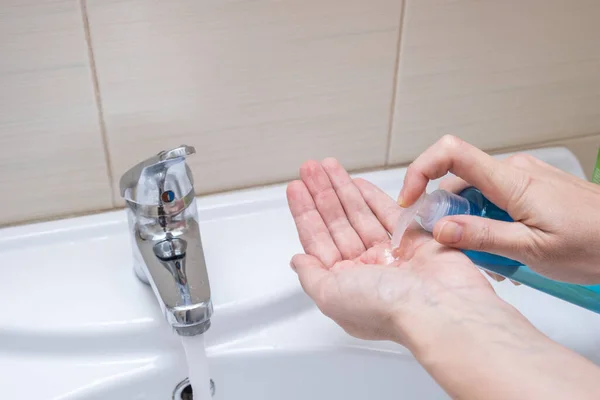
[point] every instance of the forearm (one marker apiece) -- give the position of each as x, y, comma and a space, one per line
490, 351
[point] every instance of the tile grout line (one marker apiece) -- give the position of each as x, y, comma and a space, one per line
395, 82
98, 98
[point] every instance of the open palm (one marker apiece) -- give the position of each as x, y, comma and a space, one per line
347, 268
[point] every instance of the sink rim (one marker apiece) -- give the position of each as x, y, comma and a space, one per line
297, 325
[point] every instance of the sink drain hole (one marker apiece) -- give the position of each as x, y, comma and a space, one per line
184, 391
187, 393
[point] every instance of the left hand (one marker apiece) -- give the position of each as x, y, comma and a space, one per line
343, 225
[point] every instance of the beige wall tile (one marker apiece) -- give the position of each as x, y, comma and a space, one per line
256, 86
51, 154
585, 149
496, 73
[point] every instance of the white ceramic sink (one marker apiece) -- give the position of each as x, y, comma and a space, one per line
75, 323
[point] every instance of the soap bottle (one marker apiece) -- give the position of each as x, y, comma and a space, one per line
432, 207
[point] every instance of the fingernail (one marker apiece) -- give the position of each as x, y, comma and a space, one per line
401, 200
451, 232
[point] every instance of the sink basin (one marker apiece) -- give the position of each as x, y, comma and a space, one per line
77, 324
352, 373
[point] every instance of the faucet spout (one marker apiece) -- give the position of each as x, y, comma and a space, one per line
166, 241
171, 253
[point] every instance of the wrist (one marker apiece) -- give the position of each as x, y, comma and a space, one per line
490, 343
429, 332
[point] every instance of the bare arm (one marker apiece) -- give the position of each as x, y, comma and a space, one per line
434, 301
491, 352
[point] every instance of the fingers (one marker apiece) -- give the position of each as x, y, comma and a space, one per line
528, 162
328, 204
454, 184
498, 181
357, 211
313, 275
388, 211
500, 278
383, 206
494, 276
312, 231
508, 239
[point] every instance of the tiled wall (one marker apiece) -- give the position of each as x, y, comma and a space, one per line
89, 88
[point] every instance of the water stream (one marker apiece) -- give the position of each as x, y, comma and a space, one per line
195, 353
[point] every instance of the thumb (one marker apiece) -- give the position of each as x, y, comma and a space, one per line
508, 239
311, 273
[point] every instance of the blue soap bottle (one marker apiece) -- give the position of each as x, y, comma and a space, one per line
434, 206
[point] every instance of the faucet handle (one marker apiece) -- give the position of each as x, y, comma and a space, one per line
132, 176
181, 151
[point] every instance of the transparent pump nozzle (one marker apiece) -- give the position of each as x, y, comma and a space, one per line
429, 209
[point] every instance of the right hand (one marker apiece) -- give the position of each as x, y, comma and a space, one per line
557, 215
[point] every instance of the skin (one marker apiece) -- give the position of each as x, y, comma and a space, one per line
557, 219
432, 299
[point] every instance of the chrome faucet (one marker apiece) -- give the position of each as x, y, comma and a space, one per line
167, 248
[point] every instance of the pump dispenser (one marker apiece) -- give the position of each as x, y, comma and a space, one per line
432, 207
